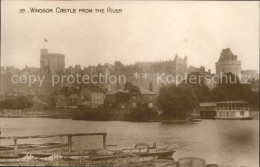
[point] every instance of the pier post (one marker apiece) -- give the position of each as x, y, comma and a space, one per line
70, 143
15, 146
104, 140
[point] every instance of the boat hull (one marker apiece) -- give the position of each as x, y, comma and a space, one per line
161, 155
13, 158
245, 118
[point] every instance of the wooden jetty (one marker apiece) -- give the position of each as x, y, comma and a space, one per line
69, 136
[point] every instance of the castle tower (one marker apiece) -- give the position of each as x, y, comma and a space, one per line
51, 63
228, 63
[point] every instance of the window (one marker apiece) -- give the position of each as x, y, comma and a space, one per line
134, 97
134, 105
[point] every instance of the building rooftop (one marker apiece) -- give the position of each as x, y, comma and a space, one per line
94, 89
147, 92
226, 55
113, 92
73, 96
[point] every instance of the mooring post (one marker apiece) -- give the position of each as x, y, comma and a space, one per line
15, 147
104, 140
70, 143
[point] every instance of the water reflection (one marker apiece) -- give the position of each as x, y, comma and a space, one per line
218, 141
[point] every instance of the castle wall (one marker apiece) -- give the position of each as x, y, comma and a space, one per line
176, 66
228, 66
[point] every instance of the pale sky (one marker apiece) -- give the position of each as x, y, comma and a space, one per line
145, 31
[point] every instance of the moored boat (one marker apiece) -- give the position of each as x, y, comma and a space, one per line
14, 158
46, 156
119, 161
74, 156
233, 110
144, 150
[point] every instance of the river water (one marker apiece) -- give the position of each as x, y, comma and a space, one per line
225, 142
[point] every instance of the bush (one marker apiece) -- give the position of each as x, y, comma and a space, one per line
177, 102
18, 103
141, 113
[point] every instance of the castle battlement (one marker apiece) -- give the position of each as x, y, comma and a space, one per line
176, 65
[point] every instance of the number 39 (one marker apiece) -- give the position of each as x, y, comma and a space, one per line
21, 10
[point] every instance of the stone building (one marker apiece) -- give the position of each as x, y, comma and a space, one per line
124, 99
90, 70
91, 97
70, 70
199, 70
146, 97
178, 66
228, 63
52, 63
78, 69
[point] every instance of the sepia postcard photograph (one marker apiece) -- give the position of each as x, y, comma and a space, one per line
129, 83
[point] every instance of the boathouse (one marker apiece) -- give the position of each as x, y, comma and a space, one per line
233, 110
207, 110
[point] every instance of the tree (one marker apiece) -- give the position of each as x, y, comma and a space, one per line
132, 88
118, 86
254, 101
18, 103
121, 98
201, 89
141, 113
229, 88
151, 87
177, 102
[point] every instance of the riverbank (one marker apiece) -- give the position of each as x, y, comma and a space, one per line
95, 115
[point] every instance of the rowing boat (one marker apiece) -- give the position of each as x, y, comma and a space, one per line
14, 158
144, 150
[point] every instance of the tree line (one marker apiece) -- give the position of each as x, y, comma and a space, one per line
177, 102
